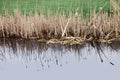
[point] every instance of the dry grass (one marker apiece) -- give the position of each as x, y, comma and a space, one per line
59, 28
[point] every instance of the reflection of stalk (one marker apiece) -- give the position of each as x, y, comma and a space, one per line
108, 59
2, 55
97, 46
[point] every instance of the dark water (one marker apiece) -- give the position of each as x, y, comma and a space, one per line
32, 60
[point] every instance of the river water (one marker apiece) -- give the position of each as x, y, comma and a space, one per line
33, 60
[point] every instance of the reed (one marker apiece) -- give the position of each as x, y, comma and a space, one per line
61, 28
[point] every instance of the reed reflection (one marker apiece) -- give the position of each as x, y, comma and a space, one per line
47, 53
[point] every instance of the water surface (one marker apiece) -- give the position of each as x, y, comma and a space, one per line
33, 60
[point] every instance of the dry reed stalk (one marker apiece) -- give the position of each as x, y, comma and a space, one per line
115, 5
102, 27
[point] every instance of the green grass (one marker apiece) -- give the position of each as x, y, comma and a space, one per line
59, 6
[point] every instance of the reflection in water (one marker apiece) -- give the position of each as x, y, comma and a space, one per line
29, 50
58, 62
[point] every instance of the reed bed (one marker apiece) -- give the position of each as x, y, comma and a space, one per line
59, 28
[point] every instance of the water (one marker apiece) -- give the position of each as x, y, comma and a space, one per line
31, 60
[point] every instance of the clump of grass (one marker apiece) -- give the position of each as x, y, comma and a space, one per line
70, 29
52, 5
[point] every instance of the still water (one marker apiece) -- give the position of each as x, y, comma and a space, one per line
33, 60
